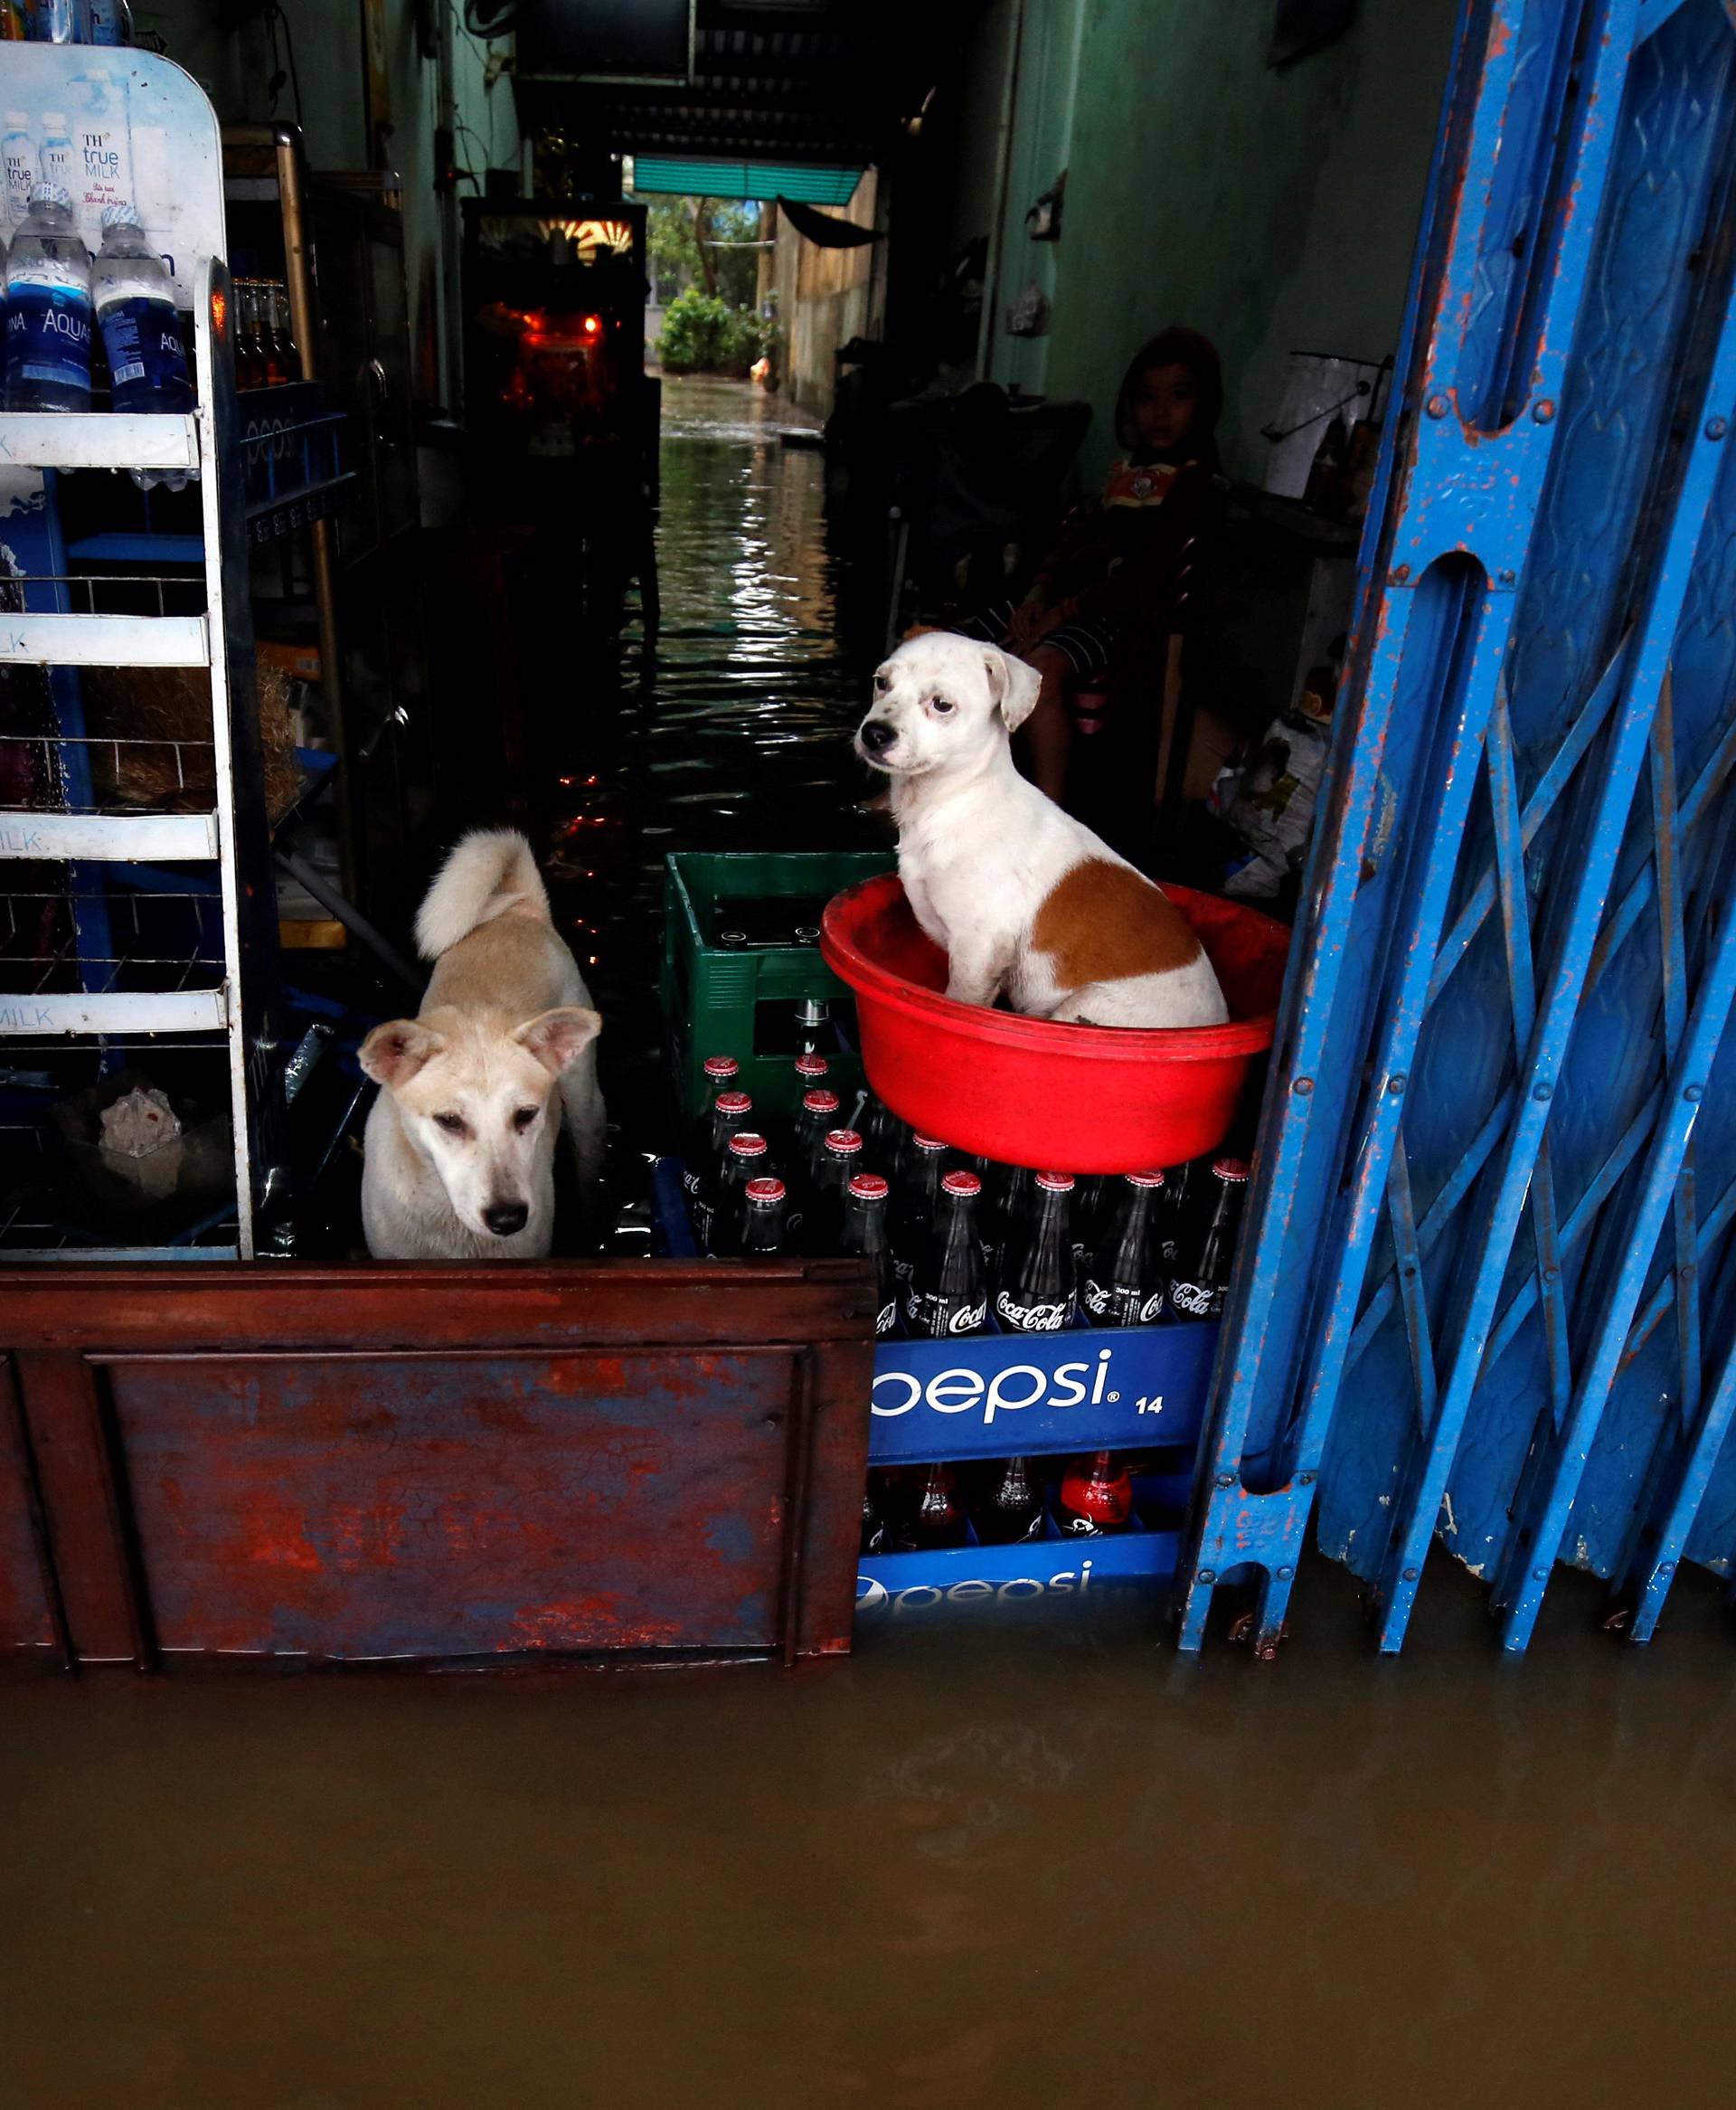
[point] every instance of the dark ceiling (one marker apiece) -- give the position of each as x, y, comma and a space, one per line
829, 82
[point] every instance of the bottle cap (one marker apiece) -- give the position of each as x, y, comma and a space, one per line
734, 1102
54, 122
869, 1187
812, 1065
962, 1183
1231, 1168
120, 216
746, 1144
819, 1103
843, 1142
51, 194
18, 120
765, 1190
927, 1142
716, 1065
1144, 1179
1055, 1182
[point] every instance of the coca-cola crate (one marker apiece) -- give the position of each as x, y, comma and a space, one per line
1144, 1557
740, 1001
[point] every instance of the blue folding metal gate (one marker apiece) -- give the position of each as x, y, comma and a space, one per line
1487, 1290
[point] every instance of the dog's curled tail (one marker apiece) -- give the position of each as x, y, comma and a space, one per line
489, 871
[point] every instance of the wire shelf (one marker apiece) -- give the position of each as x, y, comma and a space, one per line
61, 1195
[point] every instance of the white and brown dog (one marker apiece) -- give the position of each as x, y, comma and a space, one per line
1026, 900
459, 1158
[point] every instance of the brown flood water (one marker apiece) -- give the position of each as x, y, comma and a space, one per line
1022, 1858
1031, 1861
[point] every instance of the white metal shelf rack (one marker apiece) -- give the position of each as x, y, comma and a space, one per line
92, 869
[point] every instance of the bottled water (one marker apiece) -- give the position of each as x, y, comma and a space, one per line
148, 364
57, 163
18, 154
141, 336
48, 309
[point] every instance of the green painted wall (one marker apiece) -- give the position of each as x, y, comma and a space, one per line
1272, 210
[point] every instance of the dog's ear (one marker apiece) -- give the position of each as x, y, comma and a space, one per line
559, 1037
392, 1053
1013, 684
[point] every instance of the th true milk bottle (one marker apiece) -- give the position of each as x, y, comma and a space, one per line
19, 163
48, 309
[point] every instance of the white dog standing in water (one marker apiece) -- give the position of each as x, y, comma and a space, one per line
1026, 900
460, 1143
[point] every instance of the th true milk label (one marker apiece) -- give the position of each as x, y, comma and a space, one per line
102, 169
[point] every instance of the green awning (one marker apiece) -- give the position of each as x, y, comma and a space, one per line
744, 179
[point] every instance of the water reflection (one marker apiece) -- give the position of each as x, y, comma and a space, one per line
734, 733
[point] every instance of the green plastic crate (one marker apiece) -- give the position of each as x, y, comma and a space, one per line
710, 995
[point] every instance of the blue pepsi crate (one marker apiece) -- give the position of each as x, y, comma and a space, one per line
1085, 1389
1056, 1564
991, 1394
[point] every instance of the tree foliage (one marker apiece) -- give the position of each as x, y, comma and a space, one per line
682, 237
704, 335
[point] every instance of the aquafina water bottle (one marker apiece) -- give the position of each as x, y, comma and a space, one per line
48, 309
141, 334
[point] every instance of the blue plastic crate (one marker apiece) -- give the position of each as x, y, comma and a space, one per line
1142, 1557
1087, 1388
990, 1395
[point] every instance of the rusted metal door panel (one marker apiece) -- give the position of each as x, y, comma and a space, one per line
28, 1627
1503, 1084
438, 1506
434, 1464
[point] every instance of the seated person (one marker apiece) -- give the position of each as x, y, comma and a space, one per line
1117, 560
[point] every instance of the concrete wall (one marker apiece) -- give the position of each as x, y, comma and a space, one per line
1272, 210
235, 67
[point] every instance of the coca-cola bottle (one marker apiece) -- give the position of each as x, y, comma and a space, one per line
1037, 1292
838, 1161
936, 1519
875, 1537
1202, 1278
883, 1135
1013, 1510
1006, 1206
731, 1113
1088, 1205
721, 1074
817, 1113
915, 1200
1096, 1496
1123, 1284
762, 1218
812, 1071
863, 1237
947, 1292
744, 1160
1173, 1214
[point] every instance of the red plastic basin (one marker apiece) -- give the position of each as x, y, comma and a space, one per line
1079, 1098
